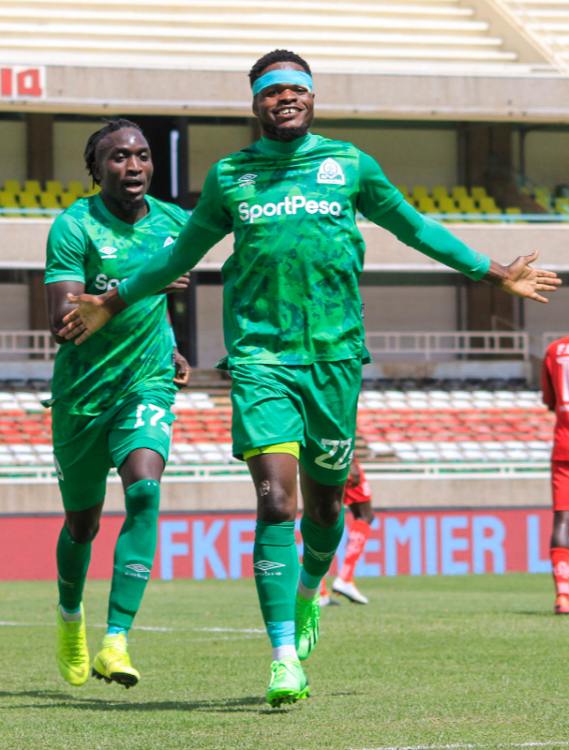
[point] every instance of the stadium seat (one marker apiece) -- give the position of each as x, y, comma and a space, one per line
8, 201
54, 187
419, 191
32, 186
76, 188
439, 193
467, 206
49, 200
29, 204
488, 206
478, 193
68, 199
459, 192
12, 186
426, 205
447, 206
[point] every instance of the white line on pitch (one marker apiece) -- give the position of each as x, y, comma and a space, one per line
468, 746
138, 627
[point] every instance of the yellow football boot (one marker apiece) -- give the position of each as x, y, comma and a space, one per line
112, 663
71, 652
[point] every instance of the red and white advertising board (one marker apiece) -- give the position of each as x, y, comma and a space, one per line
22, 82
221, 545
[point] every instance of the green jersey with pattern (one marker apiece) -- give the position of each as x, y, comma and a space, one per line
291, 285
134, 350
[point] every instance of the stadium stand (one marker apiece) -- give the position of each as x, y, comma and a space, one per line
32, 200
412, 425
227, 34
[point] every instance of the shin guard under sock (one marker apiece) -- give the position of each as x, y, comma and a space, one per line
320, 545
275, 563
134, 552
357, 538
72, 565
560, 562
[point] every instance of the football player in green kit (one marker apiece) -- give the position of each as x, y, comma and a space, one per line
294, 330
111, 399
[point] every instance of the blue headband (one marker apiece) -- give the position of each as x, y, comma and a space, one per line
295, 77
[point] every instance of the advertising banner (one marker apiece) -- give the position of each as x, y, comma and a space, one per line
202, 546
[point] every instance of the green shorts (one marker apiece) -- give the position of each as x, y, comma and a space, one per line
313, 404
85, 448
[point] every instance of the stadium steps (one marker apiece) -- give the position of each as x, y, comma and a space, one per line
397, 425
222, 33
546, 22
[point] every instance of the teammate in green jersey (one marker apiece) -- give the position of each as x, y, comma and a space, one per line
111, 399
294, 331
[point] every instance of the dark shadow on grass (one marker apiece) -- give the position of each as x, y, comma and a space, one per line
232, 705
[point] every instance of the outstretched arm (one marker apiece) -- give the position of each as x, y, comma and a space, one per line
436, 241
94, 311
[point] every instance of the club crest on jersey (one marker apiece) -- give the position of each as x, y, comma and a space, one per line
247, 179
168, 241
330, 173
108, 252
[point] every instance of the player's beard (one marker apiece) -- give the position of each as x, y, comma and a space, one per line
133, 205
288, 134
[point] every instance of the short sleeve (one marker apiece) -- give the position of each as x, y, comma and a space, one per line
210, 213
377, 195
66, 251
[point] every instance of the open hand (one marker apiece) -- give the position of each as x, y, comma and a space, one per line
520, 279
179, 285
183, 370
90, 314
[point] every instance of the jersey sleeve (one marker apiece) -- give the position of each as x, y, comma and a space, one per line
377, 195
546, 383
211, 213
66, 251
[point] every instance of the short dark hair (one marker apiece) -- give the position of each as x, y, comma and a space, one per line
276, 56
97, 137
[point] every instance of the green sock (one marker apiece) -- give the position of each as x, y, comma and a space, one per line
72, 565
275, 561
320, 545
134, 553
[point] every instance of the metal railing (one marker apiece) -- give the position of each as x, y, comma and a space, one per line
549, 337
24, 345
432, 345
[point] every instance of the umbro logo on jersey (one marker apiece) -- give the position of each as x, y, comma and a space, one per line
265, 565
108, 252
330, 173
247, 179
138, 568
168, 241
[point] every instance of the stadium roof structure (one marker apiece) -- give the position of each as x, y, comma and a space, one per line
455, 59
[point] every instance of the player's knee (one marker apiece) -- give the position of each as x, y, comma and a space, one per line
327, 514
82, 531
274, 502
143, 498
362, 512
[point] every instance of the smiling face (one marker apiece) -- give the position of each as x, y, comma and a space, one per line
123, 168
285, 111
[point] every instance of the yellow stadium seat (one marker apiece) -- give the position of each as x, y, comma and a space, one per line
32, 186
478, 193
53, 186
49, 200
439, 193
8, 201
447, 206
426, 205
420, 191
92, 191
488, 206
68, 199
467, 206
76, 188
513, 210
459, 192
402, 189
12, 186
29, 204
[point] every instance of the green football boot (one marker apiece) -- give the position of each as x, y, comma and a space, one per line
288, 683
71, 651
112, 663
307, 624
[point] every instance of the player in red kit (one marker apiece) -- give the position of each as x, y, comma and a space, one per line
555, 387
358, 496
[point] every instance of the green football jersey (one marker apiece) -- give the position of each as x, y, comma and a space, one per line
291, 286
134, 350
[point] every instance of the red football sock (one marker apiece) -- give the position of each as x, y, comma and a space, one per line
357, 538
323, 590
560, 562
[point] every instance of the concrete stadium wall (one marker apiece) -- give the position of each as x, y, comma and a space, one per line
239, 495
14, 307
12, 150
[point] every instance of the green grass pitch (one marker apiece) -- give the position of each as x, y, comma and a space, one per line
476, 661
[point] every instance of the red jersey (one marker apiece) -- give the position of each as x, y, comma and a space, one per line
555, 387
